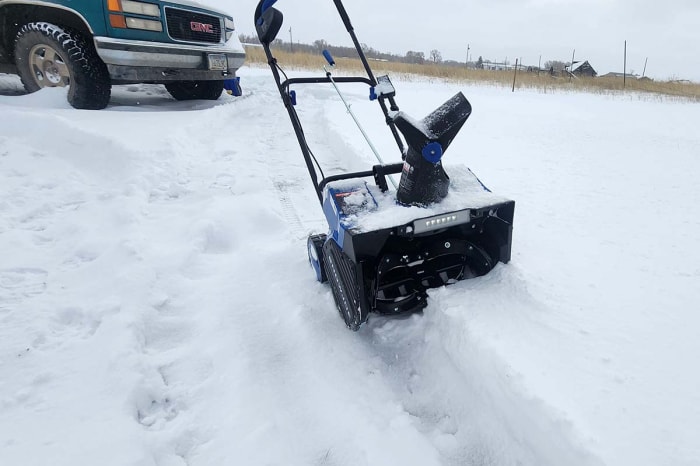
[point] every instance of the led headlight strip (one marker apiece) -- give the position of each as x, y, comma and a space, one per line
438, 222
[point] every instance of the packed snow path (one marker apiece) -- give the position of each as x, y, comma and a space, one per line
156, 307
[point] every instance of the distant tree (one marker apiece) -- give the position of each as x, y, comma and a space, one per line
453, 63
435, 56
480, 63
320, 44
415, 57
556, 65
369, 51
245, 39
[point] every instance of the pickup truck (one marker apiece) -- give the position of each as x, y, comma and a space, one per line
89, 45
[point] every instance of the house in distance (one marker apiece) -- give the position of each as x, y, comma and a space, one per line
582, 69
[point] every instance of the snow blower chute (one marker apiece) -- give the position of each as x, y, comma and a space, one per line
385, 248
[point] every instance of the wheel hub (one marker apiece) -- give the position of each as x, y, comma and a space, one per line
49, 69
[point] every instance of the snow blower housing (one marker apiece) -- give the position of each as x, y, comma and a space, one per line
385, 249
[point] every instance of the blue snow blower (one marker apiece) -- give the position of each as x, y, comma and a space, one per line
385, 248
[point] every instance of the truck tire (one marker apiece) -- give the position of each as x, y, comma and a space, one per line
49, 56
195, 90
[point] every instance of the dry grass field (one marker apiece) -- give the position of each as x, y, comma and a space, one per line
543, 82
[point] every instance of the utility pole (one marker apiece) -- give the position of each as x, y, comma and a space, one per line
645, 67
571, 68
516, 73
624, 69
539, 65
291, 42
467, 63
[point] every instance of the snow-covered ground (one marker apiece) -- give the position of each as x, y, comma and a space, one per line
10, 85
157, 308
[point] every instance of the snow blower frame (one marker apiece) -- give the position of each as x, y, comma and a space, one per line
372, 264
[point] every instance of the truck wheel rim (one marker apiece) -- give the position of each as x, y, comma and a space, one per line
48, 67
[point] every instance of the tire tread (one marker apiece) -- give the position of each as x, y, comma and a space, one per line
90, 87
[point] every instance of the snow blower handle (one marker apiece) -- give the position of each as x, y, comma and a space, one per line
268, 21
343, 14
329, 75
329, 58
341, 9
267, 4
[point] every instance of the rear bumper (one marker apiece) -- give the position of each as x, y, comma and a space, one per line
140, 61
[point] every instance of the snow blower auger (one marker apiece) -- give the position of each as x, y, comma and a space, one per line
385, 248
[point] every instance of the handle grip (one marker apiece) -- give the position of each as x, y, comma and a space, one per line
267, 4
329, 57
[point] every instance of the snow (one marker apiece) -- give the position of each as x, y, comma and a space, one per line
157, 308
380, 210
384, 87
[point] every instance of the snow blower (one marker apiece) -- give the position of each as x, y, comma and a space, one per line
385, 248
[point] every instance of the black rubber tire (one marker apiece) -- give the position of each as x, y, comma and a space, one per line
315, 243
340, 271
195, 90
89, 86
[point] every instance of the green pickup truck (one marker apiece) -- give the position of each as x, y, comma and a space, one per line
88, 45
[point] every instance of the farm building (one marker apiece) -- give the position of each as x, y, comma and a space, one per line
581, 69
620, 75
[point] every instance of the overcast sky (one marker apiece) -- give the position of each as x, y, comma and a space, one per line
667, 32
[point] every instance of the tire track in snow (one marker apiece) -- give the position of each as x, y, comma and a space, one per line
289, 212
289, 175
287, 170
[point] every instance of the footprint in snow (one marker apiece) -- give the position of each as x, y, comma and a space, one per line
20, 283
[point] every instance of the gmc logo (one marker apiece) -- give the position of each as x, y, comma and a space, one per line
201, 27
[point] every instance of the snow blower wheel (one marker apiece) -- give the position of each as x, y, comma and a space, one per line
345, 281
315, 247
